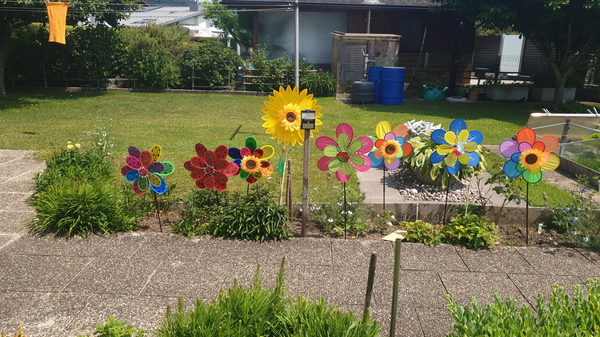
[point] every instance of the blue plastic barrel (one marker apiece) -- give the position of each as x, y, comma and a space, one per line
392, 85
375, 77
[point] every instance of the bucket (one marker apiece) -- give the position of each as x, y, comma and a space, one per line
362, 92
375, 77
432, 94
392, 85
439, 93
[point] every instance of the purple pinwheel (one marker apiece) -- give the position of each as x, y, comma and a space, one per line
144, 168
346, 155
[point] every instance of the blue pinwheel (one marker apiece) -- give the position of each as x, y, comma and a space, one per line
457, 146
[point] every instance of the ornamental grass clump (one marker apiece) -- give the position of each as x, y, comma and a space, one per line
560, 316
255, 311
77, 195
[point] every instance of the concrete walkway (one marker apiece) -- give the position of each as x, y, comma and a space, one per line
62, 288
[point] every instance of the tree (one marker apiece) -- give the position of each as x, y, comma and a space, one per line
15, 14
565, 32
231, 24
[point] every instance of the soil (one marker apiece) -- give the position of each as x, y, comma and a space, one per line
513, 235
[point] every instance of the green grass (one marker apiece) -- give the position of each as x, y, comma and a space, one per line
45, 121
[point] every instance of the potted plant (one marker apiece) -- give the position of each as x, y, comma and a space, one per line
543, 87
435, 174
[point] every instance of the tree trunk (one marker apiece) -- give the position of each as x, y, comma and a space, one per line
559, 90
5, 31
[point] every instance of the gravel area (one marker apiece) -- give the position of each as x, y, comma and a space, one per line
411, 189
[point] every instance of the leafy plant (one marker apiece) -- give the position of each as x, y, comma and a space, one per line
419, 160
116, 328
594, 135
470, 231
381, 222
423, 232
334, 217
561, 316
256, 311
201, 210
508, 188
579, 217
255, 216
211, 63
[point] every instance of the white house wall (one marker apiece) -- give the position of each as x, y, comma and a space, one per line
276, 29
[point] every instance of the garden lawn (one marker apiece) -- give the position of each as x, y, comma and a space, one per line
46, 121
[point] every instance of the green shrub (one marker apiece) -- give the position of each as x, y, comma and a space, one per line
115, 328
75, 164
423, 232
200, 211
470, 231
561, 316
578, 217
213, 64
321, 84
255, 311
252, 216
332, 217
255, 216
72, 208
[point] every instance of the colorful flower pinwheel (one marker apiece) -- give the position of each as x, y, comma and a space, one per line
346, 155
252, 160
528, 156
282, 114
210, 169
390, 146
145, 168
457, 146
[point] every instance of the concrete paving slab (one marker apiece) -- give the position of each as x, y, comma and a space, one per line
303, 251
219, 250
495, 260
142, 312
358, 252
435, 322
532, 285
371, 184
113, 276
558, 261
38, 273
462, 286
21, 184
156, 246
591, 255
421, 257
416, 289
14, 201
407, 321
15, 221
6, 239
42, 314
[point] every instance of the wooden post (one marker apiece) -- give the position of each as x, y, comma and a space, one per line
305, 182
370, 282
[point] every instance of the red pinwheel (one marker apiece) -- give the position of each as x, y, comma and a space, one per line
210, 169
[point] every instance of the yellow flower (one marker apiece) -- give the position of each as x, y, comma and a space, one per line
77, 145
533, 160
251, 164
282, 114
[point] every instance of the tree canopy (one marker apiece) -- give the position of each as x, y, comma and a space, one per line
15, 14
231, 23
565, 32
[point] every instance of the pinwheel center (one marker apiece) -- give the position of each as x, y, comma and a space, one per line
143, 172
208, 169
343, 156
290, 117
531, 158
251, 164
391, 148
457, 150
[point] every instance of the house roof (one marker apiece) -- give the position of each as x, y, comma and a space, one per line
171, 15
354, 4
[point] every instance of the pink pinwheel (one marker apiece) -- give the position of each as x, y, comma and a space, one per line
144, 168
528, 156
346, 155
210, 169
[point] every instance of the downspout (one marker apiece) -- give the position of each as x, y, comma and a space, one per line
369, 22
